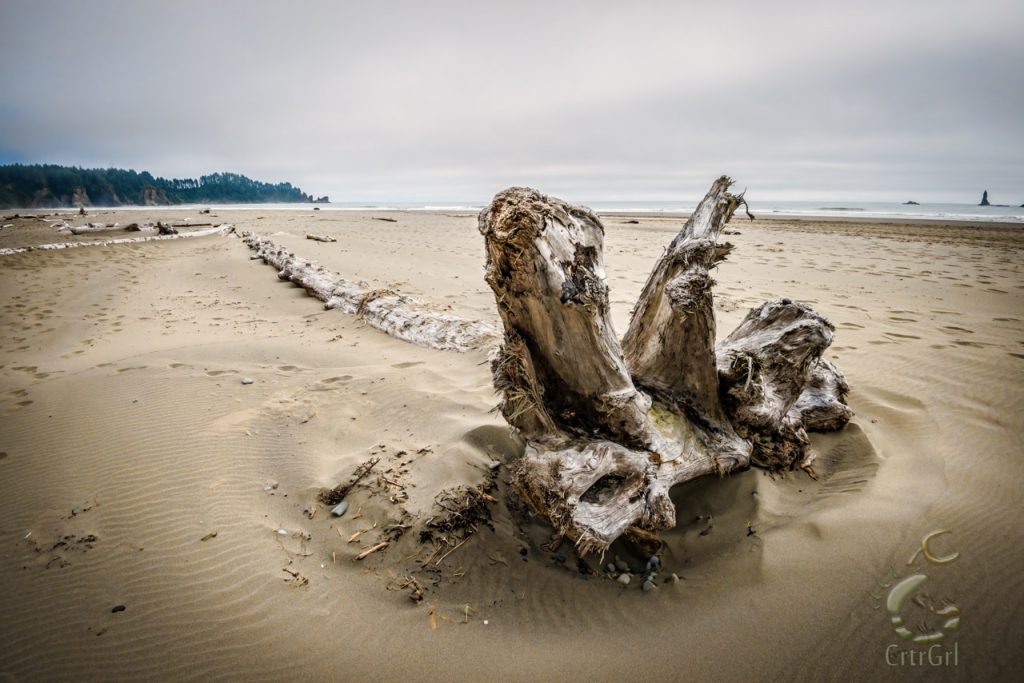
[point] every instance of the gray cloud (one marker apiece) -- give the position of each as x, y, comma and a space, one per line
591, 100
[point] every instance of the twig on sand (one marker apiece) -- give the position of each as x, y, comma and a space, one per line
367, 553
457, 546
338, 493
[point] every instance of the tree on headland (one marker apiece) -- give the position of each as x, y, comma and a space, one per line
52, 186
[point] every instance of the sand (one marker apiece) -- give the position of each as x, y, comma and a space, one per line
127, 437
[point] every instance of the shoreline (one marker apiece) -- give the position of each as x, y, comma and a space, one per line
636, 215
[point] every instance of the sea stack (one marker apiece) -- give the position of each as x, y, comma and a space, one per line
984, 199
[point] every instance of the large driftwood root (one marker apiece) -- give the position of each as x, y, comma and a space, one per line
609, 428
392, 313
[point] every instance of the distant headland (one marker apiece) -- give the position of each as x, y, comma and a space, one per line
48, 186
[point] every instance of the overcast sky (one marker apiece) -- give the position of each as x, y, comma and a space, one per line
587, 100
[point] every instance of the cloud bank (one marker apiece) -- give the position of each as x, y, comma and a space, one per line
449, 101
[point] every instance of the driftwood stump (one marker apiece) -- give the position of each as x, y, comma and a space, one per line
611, 427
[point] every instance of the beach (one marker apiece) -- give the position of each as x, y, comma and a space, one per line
140, 471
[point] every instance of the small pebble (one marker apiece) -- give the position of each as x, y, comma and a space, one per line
118, 608
648, 585
611, 567
248, 380
675, 578
282, 532
655, 561
624, 579
621, 566
340, 509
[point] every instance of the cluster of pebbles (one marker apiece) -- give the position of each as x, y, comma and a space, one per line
621, 572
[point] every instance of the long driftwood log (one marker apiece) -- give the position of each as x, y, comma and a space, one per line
394, 314
206, 232
611, 427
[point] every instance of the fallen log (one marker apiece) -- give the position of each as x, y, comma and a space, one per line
610, 428
91, 227
395, 314
219, 230
320, 238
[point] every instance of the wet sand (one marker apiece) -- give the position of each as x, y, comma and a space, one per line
127, 437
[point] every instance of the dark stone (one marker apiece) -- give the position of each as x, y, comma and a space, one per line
984, 199
911, 202
118, 608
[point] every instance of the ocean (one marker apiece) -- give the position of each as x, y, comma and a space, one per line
765, 209
873, 210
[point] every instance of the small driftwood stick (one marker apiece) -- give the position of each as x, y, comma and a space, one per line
371, 551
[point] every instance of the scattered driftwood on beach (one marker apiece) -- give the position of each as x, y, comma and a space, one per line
611, 427
393, 313
219, 230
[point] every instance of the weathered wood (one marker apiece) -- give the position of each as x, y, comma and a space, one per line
91, 227
611, 429
320, 238
393, 313
545, 266
219, 230
670, 344
822, 405
764, 366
